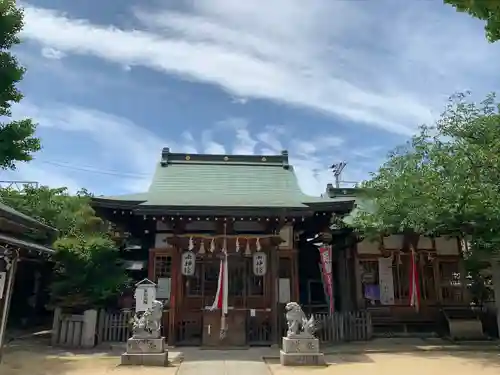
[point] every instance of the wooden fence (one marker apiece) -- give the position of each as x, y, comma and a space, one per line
87, 330
114, 326
74, 330
344, 326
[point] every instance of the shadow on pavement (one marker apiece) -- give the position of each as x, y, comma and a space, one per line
32, 363
483, 358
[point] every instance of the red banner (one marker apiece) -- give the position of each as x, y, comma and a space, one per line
325, 254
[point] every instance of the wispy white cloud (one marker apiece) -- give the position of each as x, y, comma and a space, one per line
52, 53
387, 64
125, 153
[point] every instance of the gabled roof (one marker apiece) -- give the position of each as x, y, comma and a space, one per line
226, 181
145, 282
29, 245
22, 219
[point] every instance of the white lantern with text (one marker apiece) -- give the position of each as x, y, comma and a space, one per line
259, 263
188, 262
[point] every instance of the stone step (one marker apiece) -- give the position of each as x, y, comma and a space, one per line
145, 359
302, 359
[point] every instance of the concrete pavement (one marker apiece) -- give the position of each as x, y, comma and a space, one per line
224, 362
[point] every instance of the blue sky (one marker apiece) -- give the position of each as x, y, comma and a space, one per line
112, 83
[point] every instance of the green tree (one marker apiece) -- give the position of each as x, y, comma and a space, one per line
17, 141
486, 10
88, 273
72, 215
446, 180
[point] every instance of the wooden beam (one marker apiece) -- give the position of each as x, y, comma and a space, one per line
6, 301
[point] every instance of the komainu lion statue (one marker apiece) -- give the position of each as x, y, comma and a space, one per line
297, 322
148, 325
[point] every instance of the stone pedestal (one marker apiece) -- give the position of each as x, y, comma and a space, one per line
145, 352
301, 351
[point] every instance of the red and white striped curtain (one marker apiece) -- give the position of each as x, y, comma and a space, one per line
414, 281
221, 297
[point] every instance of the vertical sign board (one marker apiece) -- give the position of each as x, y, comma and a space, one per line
325, 253
145, 294
386, 281
3, 281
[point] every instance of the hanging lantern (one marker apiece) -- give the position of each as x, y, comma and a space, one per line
212, 245
202, 247
259, 263
191, 244
237, 245
248, 252
257, 244
188, 261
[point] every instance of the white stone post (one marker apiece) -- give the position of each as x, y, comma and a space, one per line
89, 328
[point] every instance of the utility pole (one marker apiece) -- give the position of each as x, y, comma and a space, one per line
337, 169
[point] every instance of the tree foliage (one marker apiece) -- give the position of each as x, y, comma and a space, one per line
88, 271
17, 141
445, 180
72, 215
486, 10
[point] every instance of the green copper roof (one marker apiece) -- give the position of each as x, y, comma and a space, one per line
200, 180
224, 180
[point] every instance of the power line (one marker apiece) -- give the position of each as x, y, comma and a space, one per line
94, 170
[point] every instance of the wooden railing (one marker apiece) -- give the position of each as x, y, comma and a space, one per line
114, 326
344, 326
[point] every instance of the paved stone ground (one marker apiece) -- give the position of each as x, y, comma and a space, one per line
224, 362
416, 363
378, 357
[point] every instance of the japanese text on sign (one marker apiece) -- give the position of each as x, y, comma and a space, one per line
259, 263
188, 262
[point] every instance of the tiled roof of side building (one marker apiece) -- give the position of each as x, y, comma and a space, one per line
16, 216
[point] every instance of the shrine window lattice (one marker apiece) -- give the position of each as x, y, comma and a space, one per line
241, 280
163, 266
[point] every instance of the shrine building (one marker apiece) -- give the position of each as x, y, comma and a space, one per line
249, 211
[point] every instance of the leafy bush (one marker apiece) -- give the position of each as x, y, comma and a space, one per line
88, 273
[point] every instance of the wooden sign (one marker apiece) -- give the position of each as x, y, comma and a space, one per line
145, 294
188, 262
386, 281
259, 263
3, 280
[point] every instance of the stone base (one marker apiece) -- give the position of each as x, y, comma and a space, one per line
302, 359
300, 345
145, 345
145, 359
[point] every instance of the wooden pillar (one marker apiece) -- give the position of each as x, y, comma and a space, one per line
274, 295
175, 295
5, 301
357, 280
344, 279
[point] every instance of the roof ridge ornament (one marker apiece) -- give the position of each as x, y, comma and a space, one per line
165, 153
284, 155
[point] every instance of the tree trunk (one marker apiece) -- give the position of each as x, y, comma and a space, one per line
495, 271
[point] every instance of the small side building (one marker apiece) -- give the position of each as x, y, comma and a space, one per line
24, 252
383, 280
